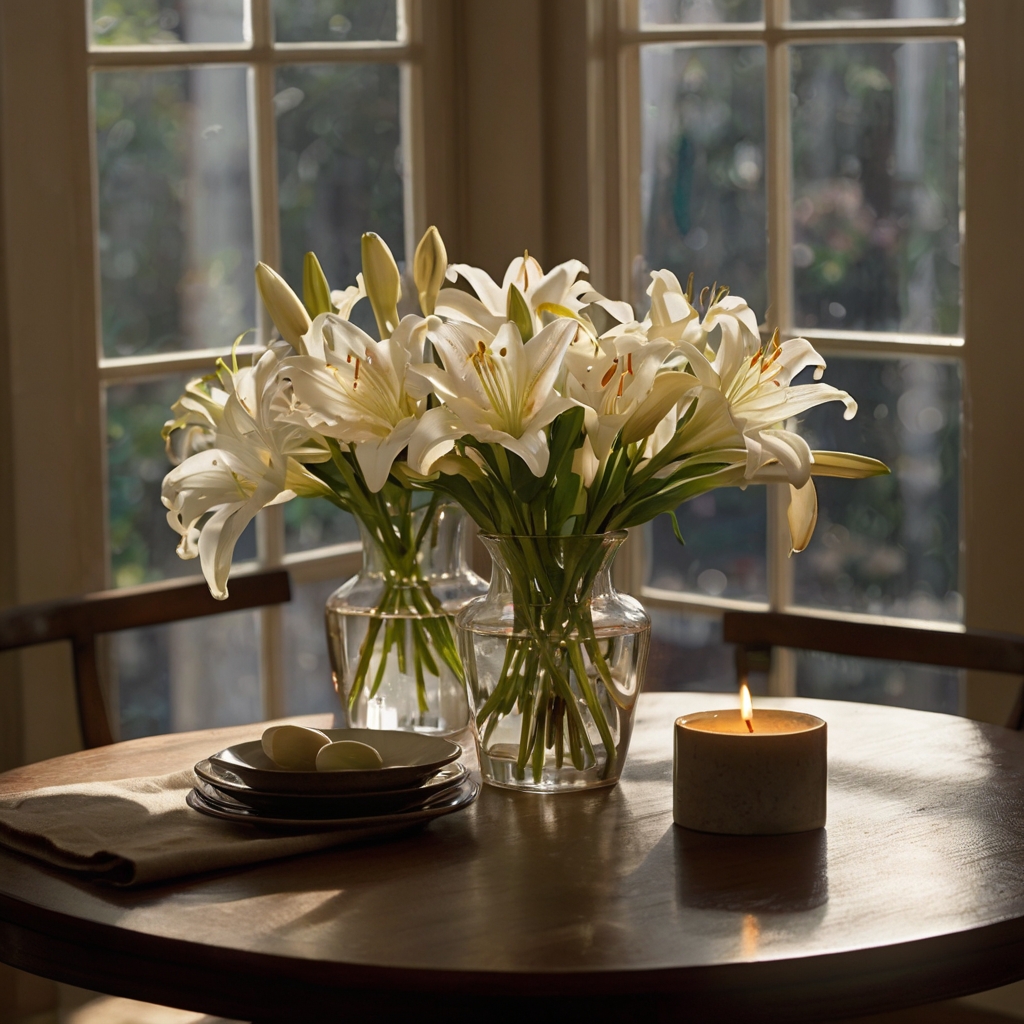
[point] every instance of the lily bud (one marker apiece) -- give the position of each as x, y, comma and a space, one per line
519, 313
383, 282
288, 314
316, 293
428, 268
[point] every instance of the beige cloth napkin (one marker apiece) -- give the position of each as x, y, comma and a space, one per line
136, 831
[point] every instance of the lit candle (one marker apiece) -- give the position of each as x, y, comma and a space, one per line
747, 774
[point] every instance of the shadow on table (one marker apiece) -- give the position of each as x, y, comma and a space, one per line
751, 874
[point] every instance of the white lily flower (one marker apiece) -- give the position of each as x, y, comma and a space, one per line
616, 380
489, 307
673, 317
744, 401
197, 414
354, 389
495, 388
255, 461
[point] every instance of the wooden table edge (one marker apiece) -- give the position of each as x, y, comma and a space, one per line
267, 986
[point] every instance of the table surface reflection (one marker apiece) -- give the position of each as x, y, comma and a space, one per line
914, 892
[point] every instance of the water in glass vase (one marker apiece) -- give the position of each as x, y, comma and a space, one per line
390, 628
555, 659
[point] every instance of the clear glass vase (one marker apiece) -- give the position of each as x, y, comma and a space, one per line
390, 628
555, 659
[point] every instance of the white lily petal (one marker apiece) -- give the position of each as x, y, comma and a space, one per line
434, 437
220, 534
375, 457
802, 514
482, 283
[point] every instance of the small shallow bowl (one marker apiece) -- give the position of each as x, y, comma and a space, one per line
409, 759
330, 805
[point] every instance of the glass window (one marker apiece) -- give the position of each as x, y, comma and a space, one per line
335, 21
816, 10
702, 170
889, 545
699, 12
175, 209
309, 687
872, 681
177, 243
339, 168
196, 674
162, 22
876, 187
687, 653
877, 223
725, 551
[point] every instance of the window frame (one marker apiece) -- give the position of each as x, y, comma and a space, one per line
616, 224
261, 56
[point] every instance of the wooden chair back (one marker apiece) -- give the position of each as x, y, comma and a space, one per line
81, 619
756, 633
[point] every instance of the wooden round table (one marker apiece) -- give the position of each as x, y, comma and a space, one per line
588, 903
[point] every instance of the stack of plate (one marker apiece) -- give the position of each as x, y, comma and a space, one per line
421, 780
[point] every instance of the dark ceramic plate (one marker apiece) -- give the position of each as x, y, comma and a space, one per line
206, 800
287, 805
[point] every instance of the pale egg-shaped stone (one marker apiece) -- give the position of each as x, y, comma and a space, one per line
347, 754
294, 746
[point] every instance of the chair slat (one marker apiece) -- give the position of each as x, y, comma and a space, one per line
82, 619
970, 649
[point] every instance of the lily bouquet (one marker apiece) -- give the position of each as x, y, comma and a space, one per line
554, 416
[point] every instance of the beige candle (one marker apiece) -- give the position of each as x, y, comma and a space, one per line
758, 775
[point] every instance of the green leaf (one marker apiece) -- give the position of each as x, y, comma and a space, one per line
316, 294
519, 313
670, 498
563, 501
676, 530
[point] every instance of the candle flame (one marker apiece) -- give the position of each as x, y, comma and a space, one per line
746, 707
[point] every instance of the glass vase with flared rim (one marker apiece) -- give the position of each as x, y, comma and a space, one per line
555, 658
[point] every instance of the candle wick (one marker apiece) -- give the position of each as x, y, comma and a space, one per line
750, 725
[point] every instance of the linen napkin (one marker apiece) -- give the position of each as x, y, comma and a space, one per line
137, 831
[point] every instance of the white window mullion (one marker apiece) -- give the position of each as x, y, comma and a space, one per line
270, 522
782, 681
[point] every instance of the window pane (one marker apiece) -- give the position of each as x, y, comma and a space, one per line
815, 10
889, 545
702, 180
135, 22
315, 523
188, 675
141, 543
334, 21
872, 681
699, 12
339, 168
687, 653
175, 212
726, 540
309, 687
876, 184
